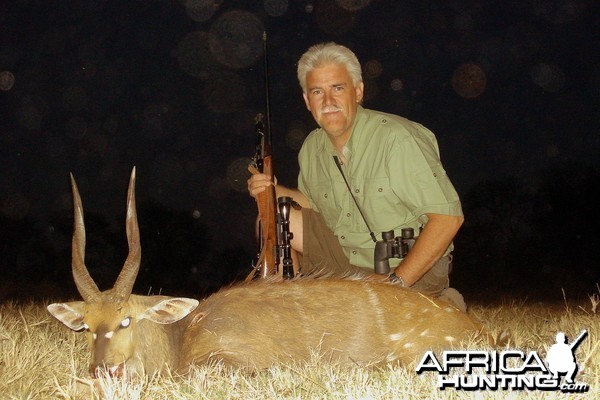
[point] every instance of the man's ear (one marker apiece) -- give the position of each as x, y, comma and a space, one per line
359, 90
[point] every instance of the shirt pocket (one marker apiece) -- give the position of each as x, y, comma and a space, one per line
378, 204
323, 199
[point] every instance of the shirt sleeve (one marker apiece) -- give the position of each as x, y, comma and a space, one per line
302, 187
417, 176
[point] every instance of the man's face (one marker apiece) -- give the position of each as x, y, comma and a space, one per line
333, 100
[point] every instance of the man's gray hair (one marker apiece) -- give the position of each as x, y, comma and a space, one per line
326, 53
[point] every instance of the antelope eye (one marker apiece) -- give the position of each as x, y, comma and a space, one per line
126, 322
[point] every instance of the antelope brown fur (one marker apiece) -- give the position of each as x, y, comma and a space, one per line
251, 325
125, 332
367, 323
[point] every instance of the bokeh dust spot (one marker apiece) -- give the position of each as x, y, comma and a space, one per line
194, 55
236, 39
276, 8
237, 174
559, 11
7, 81
353, 5
371, 90
373, 69
201, 10
549, 77
397, 85
469, 81
295, 135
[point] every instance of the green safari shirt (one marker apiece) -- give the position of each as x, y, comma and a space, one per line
394, 170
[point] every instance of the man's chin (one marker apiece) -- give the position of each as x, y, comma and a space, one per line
332, 123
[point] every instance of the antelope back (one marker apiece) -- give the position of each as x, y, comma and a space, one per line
260, 324
121, 327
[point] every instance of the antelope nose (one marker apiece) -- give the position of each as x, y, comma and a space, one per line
115, 371
93, 370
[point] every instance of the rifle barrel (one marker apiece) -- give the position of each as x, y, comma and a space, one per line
579, 338
267, 97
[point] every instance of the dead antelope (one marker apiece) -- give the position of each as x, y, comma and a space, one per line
125, 332
263, 323
251, 325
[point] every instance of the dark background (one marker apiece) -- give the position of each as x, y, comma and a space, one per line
95, 87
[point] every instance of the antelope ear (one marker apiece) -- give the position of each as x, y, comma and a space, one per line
170, 310
70, 314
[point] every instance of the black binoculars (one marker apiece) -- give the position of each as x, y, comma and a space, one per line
392, 247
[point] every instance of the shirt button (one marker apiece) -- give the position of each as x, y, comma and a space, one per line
325, 195
380, 190
343, 237
354, 252
357, 191
347, 215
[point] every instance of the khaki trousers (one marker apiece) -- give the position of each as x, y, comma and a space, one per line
324, 255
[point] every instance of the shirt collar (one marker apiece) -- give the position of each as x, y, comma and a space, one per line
354, 138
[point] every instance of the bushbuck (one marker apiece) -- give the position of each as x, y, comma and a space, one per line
126, 332
262, 323
252, 325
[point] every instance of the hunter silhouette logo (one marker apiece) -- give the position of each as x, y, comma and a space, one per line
561, 356
508, 369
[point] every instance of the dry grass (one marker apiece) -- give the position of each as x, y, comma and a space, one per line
40, 359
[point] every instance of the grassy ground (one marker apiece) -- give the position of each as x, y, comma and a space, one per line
41, 359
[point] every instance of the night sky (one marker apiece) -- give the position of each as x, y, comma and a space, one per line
510, 88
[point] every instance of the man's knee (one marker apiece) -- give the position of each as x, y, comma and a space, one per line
454, 297
296, 227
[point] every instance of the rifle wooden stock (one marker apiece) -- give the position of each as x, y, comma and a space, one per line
267, 211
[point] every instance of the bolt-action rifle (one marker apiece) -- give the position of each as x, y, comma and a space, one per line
274, 235
578, 339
